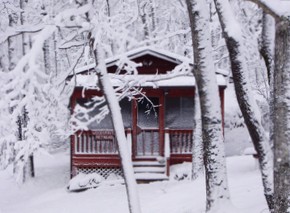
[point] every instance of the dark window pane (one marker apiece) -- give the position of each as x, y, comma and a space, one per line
106, 122
91, 111
148, 113
179, 112
126, 110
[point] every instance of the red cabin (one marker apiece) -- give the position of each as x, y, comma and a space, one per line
159, 127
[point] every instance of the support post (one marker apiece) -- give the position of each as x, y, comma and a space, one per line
167, 144
167, 150
129, 141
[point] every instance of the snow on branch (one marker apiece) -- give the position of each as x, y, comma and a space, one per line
168, 35
14, 31
276, 8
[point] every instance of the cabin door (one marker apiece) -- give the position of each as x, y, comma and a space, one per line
147, 128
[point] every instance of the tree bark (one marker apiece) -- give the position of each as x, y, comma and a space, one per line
12, 45
267, 44
143, 16
217, 193
267, 52
282, 117
29, 167
281, 111
247, 104
197, 150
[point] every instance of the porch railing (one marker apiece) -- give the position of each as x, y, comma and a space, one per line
95, 142
104, 142
180, 141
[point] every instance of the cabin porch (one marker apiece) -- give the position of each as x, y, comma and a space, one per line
96, 151
158, 130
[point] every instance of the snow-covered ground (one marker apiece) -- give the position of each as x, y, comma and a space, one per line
47, 193
237, 139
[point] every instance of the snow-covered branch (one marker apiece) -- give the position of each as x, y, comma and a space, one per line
168, 35
276, 8
14, 31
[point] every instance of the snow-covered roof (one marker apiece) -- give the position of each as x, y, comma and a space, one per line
91, 80
135, 53
145, 80
162, 54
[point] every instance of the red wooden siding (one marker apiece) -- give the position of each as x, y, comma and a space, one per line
151, 65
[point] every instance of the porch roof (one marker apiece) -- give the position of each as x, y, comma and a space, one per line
154, 81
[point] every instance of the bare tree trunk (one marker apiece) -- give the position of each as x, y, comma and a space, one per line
29, 167
46, 57
267, 44
282, 117
143, 16
108, 8
12, 45
267, 52
217, 193
117, 120
247, 104
197, 149
152, 14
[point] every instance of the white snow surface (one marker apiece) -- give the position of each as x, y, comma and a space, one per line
145, 80
47, 193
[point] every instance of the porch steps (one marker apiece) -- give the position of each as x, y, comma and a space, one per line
150, 171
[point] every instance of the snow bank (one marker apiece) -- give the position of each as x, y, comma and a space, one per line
181, 171
86, 181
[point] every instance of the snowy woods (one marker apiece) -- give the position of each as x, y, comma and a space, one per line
46, 45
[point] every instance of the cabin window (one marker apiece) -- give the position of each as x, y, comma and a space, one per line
179, 112
126, 110
148, 112
106, 122
90, 111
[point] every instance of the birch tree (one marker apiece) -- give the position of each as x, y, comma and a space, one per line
267, 52
217, 193
281, 116
197, 145
233, 37
95, 37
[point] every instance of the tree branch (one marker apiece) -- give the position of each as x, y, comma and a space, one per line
11, 32
270, 7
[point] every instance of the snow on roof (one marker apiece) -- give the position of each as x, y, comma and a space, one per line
144, 80
162, 54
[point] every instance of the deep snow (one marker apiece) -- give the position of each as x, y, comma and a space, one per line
47, 193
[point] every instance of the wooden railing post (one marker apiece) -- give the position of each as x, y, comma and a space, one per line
167, 144
167, 150
129, 141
